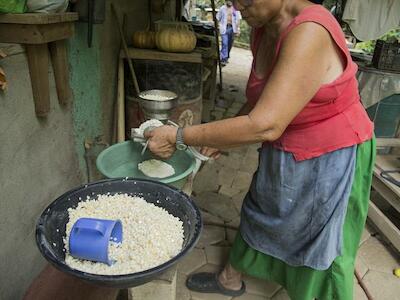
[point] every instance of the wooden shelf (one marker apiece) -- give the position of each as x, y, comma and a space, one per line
136, 53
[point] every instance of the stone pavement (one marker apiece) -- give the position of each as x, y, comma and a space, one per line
219, 189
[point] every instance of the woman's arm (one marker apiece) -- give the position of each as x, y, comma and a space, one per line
303, 62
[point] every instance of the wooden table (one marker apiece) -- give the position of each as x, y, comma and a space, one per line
390, 193
41, 32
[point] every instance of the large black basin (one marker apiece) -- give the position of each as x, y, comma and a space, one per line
55, 216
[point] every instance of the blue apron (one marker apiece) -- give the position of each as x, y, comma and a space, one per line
295, 211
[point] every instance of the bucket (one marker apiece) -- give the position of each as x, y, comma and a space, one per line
122, 159
386, 117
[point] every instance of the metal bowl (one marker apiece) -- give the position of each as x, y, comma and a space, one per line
157, 104
51, 226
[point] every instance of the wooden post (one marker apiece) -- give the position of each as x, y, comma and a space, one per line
38, 60
217, 41
58, 52
121, 103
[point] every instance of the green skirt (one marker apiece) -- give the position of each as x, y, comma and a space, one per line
304, 283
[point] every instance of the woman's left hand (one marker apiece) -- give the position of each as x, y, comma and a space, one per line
162, 141
210, 152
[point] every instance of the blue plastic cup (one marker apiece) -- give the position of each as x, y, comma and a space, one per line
89, 238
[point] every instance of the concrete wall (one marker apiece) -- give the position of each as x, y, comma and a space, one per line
41, 159
38, 162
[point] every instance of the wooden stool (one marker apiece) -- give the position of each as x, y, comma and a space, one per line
41, 33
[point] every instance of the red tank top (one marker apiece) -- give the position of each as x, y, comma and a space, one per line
334, 118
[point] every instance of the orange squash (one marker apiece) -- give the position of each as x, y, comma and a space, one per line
144, 39
174, 39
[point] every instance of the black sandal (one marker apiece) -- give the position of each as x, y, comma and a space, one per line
209, 283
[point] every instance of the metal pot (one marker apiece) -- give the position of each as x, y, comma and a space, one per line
157, 104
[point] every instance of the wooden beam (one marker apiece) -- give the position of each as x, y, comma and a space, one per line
38, 60
58, 52
135, 53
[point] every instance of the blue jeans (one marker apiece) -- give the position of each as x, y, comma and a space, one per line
227, 42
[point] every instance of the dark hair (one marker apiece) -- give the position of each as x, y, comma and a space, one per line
317, 1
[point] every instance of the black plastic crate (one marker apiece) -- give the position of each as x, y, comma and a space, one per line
387, 56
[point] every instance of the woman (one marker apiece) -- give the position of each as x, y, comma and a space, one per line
303, 216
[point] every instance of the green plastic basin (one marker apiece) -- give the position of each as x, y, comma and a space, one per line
122, 159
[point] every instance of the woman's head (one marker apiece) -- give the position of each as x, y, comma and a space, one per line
258, 13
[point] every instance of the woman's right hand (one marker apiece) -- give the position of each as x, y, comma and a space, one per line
210, 152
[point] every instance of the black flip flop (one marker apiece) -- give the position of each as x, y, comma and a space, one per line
209, 283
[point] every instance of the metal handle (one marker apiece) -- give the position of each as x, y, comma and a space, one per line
386, 175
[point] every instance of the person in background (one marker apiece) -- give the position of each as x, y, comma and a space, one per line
229, 26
